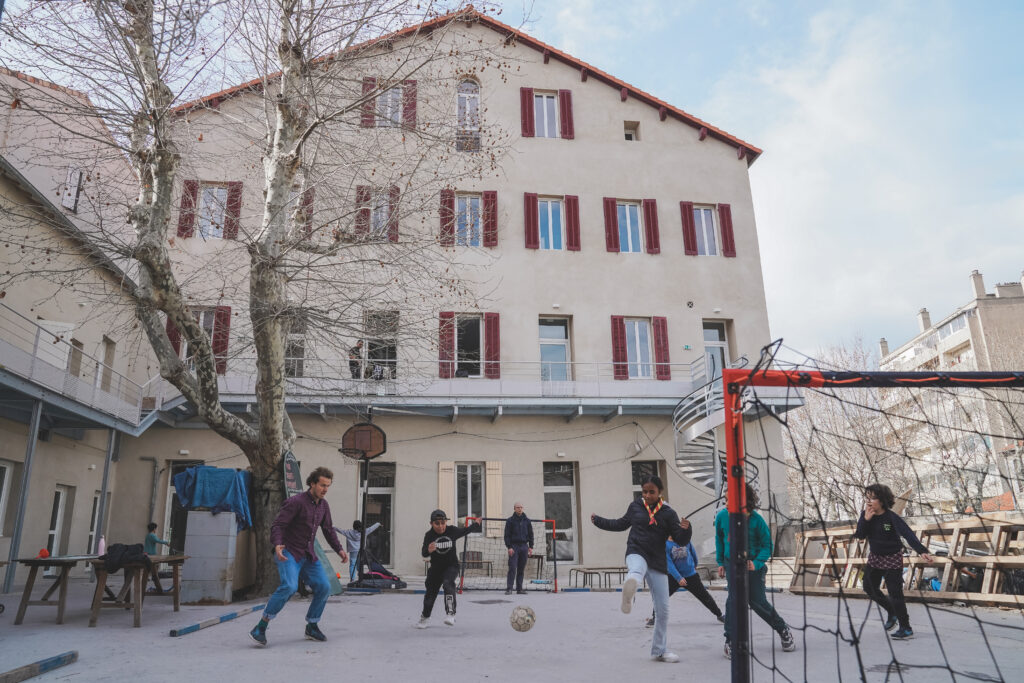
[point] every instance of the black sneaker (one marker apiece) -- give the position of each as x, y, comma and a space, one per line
259, 635
313, 632
508, 591
903, 634
520, 592
890, 623
788, 644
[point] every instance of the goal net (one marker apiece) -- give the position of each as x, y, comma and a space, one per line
485, 559
949, 445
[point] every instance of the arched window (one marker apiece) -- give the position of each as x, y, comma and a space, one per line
468, 108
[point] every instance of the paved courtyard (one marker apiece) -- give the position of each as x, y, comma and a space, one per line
578, 636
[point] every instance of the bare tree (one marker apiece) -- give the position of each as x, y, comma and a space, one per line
341, 136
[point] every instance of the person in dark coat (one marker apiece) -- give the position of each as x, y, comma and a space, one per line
439, 546
519, 541
884, 528
650, 522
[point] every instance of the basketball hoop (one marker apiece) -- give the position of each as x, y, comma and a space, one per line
363, 441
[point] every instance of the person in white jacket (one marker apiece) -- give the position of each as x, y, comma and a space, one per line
353, 538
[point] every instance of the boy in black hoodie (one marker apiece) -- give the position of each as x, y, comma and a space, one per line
439, 546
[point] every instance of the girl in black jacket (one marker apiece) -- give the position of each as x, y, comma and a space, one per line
650, 522
883, 529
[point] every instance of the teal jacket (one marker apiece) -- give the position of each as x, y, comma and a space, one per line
759, 539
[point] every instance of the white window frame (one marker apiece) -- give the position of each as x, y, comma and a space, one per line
469, 213
545, 114
389, 108
564, 343
480, 359
295, 351
627, 246
212, 210
5, 489
636, 348
547, 208
707, 235
468, 468
467, 115
380, 213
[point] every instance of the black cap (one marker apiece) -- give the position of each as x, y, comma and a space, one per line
437, 515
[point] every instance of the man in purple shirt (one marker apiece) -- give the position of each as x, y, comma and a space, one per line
293, 533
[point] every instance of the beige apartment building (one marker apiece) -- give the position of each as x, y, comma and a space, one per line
983, 334
613, 267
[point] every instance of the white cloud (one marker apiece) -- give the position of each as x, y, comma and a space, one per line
864, 212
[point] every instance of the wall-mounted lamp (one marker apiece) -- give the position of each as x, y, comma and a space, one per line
560, 454
716, 310
183, 451
556, 305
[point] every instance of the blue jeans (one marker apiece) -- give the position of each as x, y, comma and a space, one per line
758, 602
658, 583
312, 573
353, 565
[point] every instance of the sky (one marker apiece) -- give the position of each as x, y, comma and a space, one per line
892, 136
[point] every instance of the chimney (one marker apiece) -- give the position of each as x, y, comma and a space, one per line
883, 347
979, 284
924, 319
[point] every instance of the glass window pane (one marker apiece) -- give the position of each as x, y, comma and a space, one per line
461, 491
634, 228
538, 115
709, 228
631, 348
552, 130
714, 332
476, 490
544, 223
623, 229
554, 329
698, 223
558, 474
643, 336
556, 224
381, 475
642, 470
554, 366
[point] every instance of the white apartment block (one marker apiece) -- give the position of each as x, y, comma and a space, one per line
983, 334
616, 259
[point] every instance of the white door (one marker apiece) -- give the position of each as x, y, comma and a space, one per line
715, 345
560, 505
60, 497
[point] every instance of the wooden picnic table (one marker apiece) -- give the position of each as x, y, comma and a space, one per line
64, 563
133, 592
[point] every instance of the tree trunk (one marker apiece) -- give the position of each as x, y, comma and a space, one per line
267, 496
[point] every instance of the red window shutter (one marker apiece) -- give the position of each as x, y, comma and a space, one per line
221, 335
728, 240
620, 366
368, 114
409, 104
526, 112
447, 211
492, 346
187, 212
306, 212
233, 210
611, 224
530, 222
393, 195
364, 194
662, 369
653, 237
689, 229
565, 114
446, 345
572, 222
490, 218
174, 335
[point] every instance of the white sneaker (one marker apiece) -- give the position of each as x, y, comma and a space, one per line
669, 657
449, 620
423, 622
628, 593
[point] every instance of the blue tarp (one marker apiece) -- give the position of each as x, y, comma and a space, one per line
216, 488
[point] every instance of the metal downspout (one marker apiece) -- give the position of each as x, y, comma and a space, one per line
152, 492
113, 443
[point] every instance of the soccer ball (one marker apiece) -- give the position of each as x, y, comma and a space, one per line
522, 618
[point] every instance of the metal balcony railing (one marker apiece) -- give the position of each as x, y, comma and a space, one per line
42, 353
321, 379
